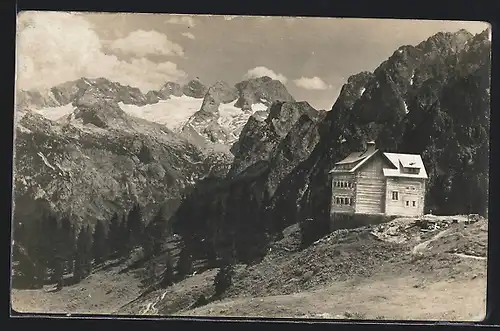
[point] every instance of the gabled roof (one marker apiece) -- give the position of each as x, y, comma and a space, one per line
405, 161
397, 160
357, 158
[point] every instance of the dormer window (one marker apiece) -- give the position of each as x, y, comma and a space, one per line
409, 170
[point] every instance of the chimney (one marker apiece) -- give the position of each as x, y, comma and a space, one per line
369, 146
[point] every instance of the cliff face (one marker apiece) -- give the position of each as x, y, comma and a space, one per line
232, 212
431, 99
260, 137
98, 160
226, 109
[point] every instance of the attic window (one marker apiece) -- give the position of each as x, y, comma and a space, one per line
411, 170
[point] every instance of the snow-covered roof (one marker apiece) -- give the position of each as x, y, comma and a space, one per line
405, 161
398, 161
356, 159
356, 156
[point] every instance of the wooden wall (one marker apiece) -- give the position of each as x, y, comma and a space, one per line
409, 189
370, 186
343, 192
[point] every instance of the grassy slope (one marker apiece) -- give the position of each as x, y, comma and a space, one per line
392, 271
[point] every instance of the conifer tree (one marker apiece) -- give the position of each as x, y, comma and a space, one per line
99, 243
59, 252
68, 233
135, 225
223, 279
83, 261
153, 234
124, 242
185, 263
151, 273
59, 271
168, 273
50, 236
78, 273
114, 234
35, 244
88, 251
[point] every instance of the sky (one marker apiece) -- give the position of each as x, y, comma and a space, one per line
313, 57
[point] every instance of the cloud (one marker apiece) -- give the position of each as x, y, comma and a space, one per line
182, 20
132, 73
314, 83
142, 43
263, 71
56, 47
188, 35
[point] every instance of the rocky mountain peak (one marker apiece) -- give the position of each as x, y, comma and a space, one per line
263, 90
194, 89
225, 127
259, 138
446, 42
283, 115
171, 88
35, 99
167, 90
218, 93
102, 113
66, 93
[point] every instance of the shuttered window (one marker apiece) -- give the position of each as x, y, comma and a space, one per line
345, 201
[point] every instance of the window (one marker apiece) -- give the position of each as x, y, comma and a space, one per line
414, 204
407, 203
395, 195
411, 170
344, 201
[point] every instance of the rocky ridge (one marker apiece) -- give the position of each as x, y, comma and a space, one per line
99, 160
97, 132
